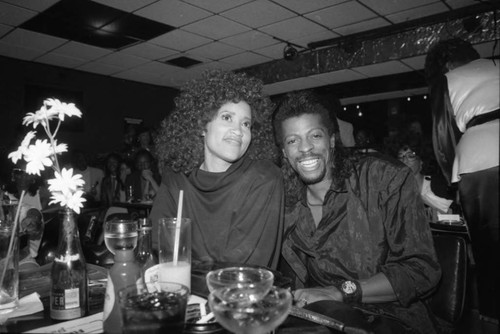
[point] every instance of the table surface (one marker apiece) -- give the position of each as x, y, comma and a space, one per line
38, 280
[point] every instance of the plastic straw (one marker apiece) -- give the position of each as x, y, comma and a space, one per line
178, 228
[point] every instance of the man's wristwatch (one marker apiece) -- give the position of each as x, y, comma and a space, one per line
351, 291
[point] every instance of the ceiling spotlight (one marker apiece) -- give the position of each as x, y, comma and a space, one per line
290, 53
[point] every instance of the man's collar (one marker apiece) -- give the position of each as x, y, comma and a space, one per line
338, 187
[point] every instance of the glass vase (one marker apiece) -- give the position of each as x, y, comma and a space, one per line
9, 260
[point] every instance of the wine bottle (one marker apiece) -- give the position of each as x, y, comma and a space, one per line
144, 254
69, 282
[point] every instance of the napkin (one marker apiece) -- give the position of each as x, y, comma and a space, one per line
27, 305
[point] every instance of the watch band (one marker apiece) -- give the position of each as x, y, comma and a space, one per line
351, 291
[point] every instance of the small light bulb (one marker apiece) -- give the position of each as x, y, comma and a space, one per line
345, 108
425, 97
357, 107
360, 114
408, 98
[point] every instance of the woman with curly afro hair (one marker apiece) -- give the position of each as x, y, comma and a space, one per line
217, 146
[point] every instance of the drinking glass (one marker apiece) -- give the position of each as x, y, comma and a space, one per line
233, 312
175, 236
253, 283
157, 308
120, 234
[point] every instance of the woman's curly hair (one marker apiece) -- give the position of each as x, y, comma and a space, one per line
305, 102
454, 52
179, 143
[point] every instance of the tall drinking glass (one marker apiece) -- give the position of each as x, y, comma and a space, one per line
175, 251
9, 263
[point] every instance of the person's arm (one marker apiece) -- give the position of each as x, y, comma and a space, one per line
411, 264
376, 289
147, 174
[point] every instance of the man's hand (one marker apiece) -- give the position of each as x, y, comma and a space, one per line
311, 295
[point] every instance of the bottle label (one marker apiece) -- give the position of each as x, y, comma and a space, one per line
109, 299
65, 304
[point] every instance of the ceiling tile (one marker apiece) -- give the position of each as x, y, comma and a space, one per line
416, 63
127, 6
385, 7
135, 75
38, 5
173, 12
387, 68
291, 85
361, 26
81, 51
180, 40
338, 76
186, 54
60, 60
13, 15
19, 52
258, 13
216, 27
246, 59
4, 29
124, 60
335, 16
215, 51
148, 51
418, 12
100, 68
250, 40
460, 3
292, 28
154, 67
319, 36
217, 6
273, 51
33, 40
302, 7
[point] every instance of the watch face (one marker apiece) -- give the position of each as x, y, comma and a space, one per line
349, 287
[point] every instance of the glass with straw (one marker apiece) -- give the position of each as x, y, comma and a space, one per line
175, 248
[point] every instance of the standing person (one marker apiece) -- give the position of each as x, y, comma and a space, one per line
356, 234
465, 99
212, 146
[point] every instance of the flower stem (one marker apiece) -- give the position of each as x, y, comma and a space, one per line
11, 243
53, 144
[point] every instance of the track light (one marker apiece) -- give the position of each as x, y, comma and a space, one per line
290, 53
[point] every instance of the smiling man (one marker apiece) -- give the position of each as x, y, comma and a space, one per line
355, 231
